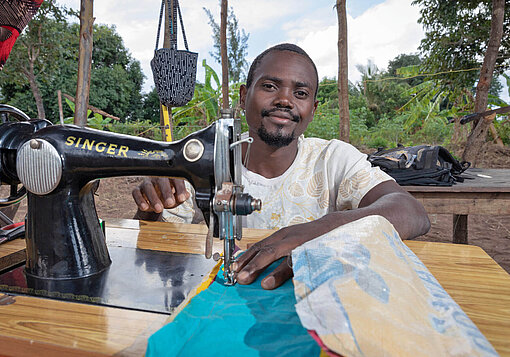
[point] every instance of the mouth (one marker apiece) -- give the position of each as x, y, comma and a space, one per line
280, 116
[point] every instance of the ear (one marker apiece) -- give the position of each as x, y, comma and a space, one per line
242, 95
315, 106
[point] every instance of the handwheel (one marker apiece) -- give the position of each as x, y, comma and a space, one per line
7, 111
8, 114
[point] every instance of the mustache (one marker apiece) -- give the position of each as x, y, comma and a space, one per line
267, 112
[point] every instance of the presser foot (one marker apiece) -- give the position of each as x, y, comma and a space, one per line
229, 279
228, 275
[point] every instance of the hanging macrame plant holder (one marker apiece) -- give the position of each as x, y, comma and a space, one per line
174, 70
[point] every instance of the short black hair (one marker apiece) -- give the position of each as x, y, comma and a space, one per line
281, 47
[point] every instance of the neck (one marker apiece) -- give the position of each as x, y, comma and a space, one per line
269, 161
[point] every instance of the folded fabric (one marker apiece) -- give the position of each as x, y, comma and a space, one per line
365, 293
241, 320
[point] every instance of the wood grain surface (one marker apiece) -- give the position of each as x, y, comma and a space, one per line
43, 327
32, 326
12, 253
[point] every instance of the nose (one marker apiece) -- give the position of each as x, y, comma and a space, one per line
283, 99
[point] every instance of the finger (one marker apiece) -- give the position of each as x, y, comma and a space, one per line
149, 190
278, 276
255, 266
140, 200
166, 191
248, 255
181, 193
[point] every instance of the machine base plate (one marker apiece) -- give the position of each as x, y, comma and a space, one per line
137, 279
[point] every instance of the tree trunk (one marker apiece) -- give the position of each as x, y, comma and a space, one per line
224, 56
35, 91
343, 80
479, 132
84, 62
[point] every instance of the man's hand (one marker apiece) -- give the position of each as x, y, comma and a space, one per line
387, 199
262, 254
156, 193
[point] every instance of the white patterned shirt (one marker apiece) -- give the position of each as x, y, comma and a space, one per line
326, 176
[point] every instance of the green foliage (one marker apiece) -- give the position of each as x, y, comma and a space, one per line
405, 60
386, 111
204, 108
380, 94
503, 129
38, 54
328, 92
116, 78
456, 39
96, 121
143, 128
325, 123
237, 46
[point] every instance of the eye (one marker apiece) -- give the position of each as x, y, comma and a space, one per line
301, 94
268, 86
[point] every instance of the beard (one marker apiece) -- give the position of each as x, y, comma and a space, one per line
277, 140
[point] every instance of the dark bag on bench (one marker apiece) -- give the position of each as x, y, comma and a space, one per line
420, 165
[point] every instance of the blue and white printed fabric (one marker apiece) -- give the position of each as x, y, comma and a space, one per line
366, 293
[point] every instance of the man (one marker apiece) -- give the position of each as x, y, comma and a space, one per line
309, 186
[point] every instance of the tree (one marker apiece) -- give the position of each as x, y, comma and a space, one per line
405, 60
456, 34
462, 36
237, 46
38, 50
116, 78
150, 107
343, 80
481, 126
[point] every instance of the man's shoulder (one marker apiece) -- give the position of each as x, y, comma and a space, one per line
329, 145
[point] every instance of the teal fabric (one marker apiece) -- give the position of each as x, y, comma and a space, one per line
240, 320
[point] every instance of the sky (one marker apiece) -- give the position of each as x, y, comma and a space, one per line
378, 30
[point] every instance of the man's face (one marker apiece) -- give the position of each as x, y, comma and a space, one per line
280, 102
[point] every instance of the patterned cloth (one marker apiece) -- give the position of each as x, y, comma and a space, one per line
365, 293
326, 176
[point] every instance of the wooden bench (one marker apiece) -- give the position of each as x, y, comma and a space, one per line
484, 191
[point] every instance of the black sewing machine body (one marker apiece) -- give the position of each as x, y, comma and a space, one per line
60, 165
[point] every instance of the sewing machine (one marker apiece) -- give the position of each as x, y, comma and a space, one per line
60, 165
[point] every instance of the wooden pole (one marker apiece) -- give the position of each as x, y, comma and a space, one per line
84, 62
224, 55
165, 113
60, 109
343, 81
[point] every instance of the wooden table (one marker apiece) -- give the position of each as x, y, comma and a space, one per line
484, 191
35, 326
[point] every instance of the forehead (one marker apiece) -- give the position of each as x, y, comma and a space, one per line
286, 65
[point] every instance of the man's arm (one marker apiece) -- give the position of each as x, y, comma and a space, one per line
387, 199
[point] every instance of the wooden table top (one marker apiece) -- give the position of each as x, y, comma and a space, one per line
36, 326
476, 180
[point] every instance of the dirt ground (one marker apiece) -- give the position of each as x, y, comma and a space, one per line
492, 233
